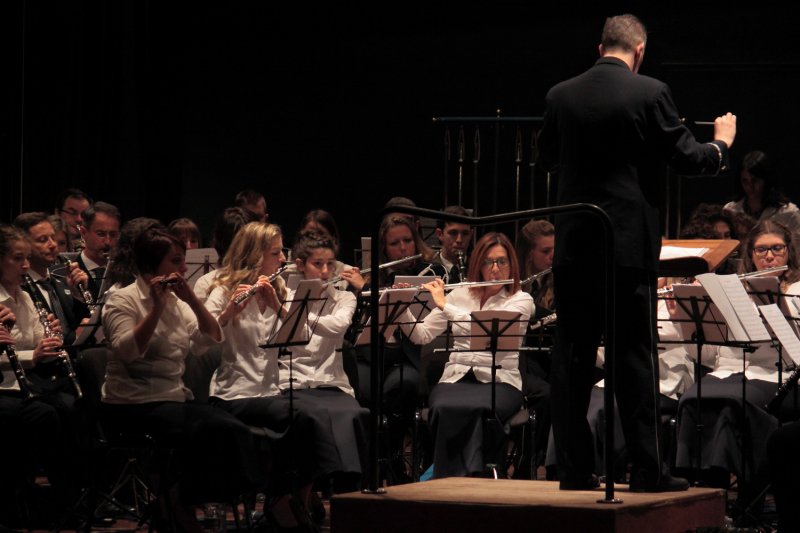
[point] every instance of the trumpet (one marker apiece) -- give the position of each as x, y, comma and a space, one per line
63, 356
534, 277
25, 384
757, 273
243, 296
337, 279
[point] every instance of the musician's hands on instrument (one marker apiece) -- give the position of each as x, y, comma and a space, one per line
6, 338
158, 293
47, 349
354, 278
180, 287
7, 316
725, 128
55, 324
75, 276
436, 288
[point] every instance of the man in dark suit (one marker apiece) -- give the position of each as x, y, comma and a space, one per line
61, 294
100, 232
606, 129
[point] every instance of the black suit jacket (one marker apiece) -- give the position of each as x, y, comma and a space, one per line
93, 286
608, 130
73, 309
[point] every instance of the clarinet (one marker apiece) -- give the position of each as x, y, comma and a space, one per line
86, 293
462, 265
63, 356
774, 405
25, 384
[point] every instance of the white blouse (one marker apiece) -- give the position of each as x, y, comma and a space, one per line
157, 374
318, 363
27, 332
460, 303
247, 370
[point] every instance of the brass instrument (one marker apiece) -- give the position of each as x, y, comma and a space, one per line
243, 296
63, 356
24, 382
400, 261
461, 263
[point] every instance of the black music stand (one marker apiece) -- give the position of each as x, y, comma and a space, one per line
493, 331
392, 305
199, 262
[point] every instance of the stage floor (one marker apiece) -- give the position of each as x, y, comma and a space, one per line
473, 504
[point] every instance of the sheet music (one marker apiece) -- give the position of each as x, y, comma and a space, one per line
715, 330
394, 301
766, 287
197, 261
736, 306
780, 326
676, 252
422, 304
293, 330
510, 336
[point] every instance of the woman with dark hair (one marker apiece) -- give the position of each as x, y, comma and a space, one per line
759, 196
322, 223
151, 326
122, 270
187, 231
769, 245
462, 399
225, 229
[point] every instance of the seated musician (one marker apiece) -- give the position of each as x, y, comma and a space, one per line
316, 370
462, 399
71, 205
398, 239
455, 239
100, 233
151, 325
49, 412
186, 230
768, 245
246, 384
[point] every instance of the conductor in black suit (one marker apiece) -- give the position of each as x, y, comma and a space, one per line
606, 131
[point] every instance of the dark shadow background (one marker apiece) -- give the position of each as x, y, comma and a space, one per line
168, 109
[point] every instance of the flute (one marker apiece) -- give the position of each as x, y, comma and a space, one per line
63, 356
534, 277
25, 384
757, 273
243, 296
451, 286
337, 279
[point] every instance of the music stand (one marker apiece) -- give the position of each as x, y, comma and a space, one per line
493, 330
199, 262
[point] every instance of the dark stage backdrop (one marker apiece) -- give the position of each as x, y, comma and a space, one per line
169, 108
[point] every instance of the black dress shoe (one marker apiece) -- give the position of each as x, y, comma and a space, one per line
589, 483
667, 483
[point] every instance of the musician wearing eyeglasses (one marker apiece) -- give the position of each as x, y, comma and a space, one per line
462, 398
769, 245
71, 206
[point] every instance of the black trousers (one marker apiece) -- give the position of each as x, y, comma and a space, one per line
581, 312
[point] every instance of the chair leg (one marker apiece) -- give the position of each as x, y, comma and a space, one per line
534, 452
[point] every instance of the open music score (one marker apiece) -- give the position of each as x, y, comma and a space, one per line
717, 250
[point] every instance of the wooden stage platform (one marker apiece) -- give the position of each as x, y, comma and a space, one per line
495, 506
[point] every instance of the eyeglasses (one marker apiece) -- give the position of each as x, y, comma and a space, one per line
500, 262
776, 249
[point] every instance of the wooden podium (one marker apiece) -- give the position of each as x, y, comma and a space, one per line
718, 251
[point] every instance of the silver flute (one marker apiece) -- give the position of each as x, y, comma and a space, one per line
400, 261
243, 296
63, 356
755, 274
531, 279
24, 382
451, 286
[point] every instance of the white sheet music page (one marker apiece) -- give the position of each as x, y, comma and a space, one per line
783, 330
736, 306
676, 252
